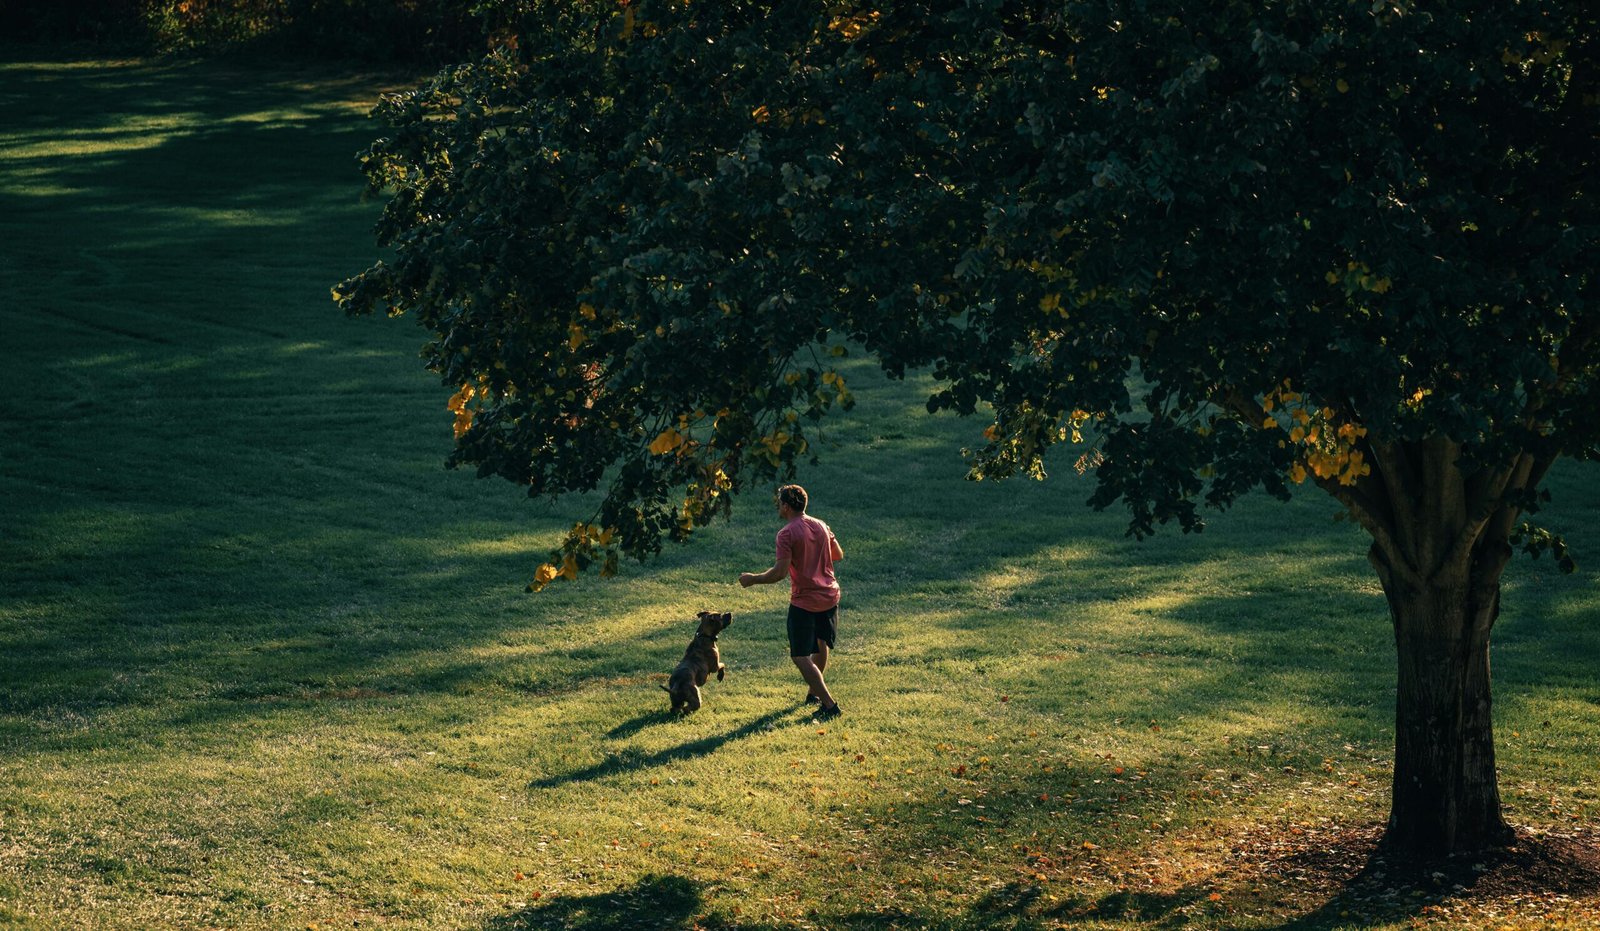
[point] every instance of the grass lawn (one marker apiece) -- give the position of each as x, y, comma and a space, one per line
265, 664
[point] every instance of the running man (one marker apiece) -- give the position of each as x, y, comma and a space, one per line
807, 550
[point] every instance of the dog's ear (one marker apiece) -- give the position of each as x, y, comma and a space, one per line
727, 619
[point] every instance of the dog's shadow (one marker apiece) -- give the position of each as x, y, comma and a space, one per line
627, 761
639, 723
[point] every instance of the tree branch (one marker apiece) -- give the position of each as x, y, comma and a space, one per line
1394, 469
1366, 511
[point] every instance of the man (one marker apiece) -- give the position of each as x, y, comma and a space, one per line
807, 550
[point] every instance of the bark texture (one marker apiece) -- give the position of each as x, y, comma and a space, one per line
1440, 549
1446, 793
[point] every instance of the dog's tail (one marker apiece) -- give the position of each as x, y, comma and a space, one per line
664, 688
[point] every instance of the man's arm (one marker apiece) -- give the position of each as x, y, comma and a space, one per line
835, 550
779, 570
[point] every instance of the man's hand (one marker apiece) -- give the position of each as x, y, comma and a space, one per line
779, 570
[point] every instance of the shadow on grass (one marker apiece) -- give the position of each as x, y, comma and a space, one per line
649, 719
617, 764
670, 903
658, 902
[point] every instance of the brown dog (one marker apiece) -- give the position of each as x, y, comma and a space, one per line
699, 661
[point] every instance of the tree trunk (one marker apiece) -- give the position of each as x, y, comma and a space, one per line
1446, 796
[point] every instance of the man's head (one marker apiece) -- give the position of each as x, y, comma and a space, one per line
792, 497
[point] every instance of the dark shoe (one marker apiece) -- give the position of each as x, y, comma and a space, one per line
828, 714
812, 699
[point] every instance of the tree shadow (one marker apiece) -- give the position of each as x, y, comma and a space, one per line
654, 902
627, 762
1392, 888
1156, 910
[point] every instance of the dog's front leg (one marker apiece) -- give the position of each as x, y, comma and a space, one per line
721, 668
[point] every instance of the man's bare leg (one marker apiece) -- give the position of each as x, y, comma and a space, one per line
821, 659
813, 676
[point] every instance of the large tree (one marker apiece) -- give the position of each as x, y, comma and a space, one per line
1225, 246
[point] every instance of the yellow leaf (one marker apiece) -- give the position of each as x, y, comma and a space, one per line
577, 337
1342, 85
1050, 303
458, 401
569, 569
666, 442
542, 576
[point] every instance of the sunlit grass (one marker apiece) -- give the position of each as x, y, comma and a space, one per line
267, 665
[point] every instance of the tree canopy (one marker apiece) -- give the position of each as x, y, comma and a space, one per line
1224, 246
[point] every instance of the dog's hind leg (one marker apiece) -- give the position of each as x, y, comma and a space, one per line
692, 700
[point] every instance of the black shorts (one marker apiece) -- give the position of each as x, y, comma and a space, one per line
808, 629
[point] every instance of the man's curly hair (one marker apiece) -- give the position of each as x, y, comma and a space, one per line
794, 497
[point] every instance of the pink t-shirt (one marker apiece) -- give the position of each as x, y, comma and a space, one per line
807, 543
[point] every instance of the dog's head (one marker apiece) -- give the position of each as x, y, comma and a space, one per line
712, 623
